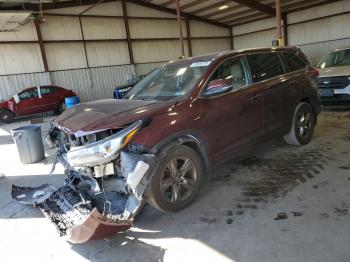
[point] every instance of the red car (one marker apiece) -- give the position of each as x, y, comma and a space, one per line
34, 100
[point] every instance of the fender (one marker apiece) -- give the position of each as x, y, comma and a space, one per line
187, 137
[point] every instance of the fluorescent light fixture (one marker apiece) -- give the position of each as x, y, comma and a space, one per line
223, 7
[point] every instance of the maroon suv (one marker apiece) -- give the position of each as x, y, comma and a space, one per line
171, 128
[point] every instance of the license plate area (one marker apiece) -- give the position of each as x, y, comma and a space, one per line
326, 92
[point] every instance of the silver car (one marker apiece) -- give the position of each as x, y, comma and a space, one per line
334, 79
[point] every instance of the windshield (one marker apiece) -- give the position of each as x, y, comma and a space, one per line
169, 82
336, 58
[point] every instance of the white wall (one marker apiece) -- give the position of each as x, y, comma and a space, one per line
316, 38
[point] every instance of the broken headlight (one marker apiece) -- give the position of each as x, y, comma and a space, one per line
102, 152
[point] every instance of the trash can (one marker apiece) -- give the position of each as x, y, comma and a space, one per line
29, 143
71, 101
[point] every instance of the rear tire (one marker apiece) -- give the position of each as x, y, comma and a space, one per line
177, 180
303, 125
6, 116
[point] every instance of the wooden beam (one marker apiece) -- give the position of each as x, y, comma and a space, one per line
235, 15
84, 43
227, 10
238, 20
168, 3
127, 32
197, 2
308, 4
231, 39
209, 7
179, 25
249, 20
41, 44
285, 29
189, 39
253, 4
183, 14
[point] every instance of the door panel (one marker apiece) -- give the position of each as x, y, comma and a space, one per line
49, 98
267, 69
235, 118
28, 102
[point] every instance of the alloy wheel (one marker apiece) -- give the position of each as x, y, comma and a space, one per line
178, 180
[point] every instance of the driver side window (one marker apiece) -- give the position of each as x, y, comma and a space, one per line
28, 94
229, 73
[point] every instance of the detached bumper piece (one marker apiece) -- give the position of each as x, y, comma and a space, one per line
79, 218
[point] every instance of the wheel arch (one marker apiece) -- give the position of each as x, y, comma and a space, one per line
188, 138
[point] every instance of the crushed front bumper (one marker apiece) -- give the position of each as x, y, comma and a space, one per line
88, 208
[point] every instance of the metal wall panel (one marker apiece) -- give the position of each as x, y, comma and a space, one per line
24, 32
205, 46
260, 39
320, 11
143, 69
20, 58
103, 28
321, 30
68, 10
317, 51
61, 28
105, 79
77, 80
109, 9
137, 10
199, 29
155, 28
254, 26
108, 53
154, 50
62, 56
11, 84
94, 83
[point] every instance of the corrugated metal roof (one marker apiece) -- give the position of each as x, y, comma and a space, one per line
225, 12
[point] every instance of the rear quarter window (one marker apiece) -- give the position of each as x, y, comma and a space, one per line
264, 66
293, 62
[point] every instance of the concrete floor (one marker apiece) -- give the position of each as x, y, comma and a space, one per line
281, 203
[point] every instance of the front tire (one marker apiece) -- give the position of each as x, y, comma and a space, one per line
177, 180
6, 116
303, 125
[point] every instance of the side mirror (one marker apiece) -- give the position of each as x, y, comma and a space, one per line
218, 87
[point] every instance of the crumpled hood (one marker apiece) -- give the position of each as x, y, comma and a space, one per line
335, 71
109, 114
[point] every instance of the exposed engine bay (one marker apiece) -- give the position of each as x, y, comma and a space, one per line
104, 187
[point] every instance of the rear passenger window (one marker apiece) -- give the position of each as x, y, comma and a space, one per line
264, 66
47, 90
293, 62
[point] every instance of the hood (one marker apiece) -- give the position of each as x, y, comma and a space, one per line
109, 114
335, 71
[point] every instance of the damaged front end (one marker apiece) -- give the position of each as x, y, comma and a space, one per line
104, 187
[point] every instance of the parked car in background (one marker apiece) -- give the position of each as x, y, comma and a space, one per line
120, 91
179, 121
334, 79
34, 100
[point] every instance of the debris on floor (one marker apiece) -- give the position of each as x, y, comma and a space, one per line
281, 216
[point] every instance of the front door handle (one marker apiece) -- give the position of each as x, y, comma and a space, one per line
255, 97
